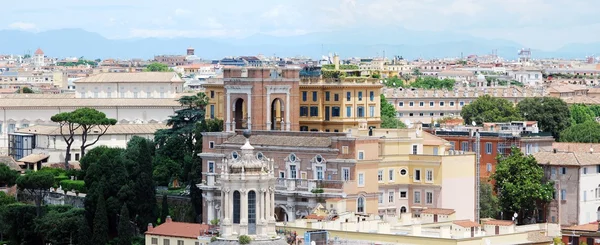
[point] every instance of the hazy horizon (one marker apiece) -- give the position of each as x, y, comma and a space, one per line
539, 24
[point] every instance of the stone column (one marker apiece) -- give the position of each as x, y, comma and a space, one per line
260, 206
268, 109
243, 212
290, 208
287, 111
228, 119
211, 206
249, 108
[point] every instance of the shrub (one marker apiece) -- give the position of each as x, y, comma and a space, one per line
213, 239
244, 239
53, 171
60, 178
73, 185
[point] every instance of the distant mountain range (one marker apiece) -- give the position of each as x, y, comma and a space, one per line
347, 43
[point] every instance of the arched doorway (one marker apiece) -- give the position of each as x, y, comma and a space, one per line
276, 114
239, 110
280, 214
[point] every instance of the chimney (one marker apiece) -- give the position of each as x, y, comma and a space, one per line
150, 227
168, 219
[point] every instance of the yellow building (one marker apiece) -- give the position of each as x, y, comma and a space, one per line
408, 171
337, 104
296, 100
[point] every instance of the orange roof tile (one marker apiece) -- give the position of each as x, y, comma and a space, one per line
314, 216
442, 211
500, 222
466, 223
585, 227
39, 51
179, 229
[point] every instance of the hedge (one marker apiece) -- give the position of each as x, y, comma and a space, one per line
73, 185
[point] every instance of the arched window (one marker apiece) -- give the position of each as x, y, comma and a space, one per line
234, 155
251, 212
403, 210
236, 207
360, 205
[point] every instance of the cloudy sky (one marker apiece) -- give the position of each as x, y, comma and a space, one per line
541, 24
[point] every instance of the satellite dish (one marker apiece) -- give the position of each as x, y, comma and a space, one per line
516, 215
473, 123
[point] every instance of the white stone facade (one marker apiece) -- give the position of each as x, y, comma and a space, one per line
589, 197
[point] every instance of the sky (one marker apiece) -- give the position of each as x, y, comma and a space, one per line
540, 24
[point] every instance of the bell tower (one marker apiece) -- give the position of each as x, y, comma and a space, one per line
248, 197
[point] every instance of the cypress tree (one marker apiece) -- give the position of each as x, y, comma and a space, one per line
100, 234
164, 209
124, 229
84, 232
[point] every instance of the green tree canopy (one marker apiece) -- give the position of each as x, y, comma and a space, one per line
37, 184
125, 232
488, 202
91, 120
521, 184
85, 121
8, 177
67, 129
84, 233
489, 109
107, 176
59, 225
428, 82
164, 209
394, 82
157, 67
100, 231
26, 90
17, 222
581, 113
552, 114
586, 132
388, 115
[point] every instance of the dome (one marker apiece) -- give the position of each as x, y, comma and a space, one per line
480, 77
247, 160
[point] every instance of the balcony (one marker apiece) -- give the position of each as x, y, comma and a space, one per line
307, 187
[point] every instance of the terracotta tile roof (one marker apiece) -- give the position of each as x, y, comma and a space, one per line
566, 88
39, 51
34, 158
466, 223
314, 216
591, 227
442, 211
499, 222
12, 164
566, 158
575, 147
72, 165
94, 103
455, 73
132, 77
430, 139
148, 128
179, 229
538, 237
275, 140
581, 100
